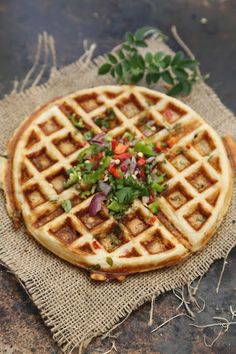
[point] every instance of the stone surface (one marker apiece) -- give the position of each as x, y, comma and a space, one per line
104, 22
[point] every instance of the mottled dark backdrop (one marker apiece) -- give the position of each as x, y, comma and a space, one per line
213, 41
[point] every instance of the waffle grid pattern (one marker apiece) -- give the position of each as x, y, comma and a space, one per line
193, 170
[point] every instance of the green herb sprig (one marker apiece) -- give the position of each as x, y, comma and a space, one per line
129, 66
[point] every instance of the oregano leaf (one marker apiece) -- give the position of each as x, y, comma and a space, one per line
166, 76
104, 69
175, 90
112, 58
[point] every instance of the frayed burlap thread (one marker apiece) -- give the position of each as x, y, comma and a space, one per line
75, 308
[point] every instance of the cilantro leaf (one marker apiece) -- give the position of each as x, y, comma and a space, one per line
66, 205
146, 148
109, 261
154, 207
116, 207
73, 179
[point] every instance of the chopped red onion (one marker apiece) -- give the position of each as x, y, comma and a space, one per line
145, 200
104, 187
150, 159
147, 132
96, 203
133, 165
98, 139
125, 163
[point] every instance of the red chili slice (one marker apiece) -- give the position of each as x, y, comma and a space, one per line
113, 144
96, 245
168, 113
152, 220
120, 148
159, 148
114, 171
124, 168
151, 199
171, 142
141, 161
142, 174
124, 156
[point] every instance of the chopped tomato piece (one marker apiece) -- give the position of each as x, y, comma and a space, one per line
168, 113
142, 174
151, 199
114, 171
124, 156
113, 144
124, 168
120, 148
96, 245
188, 146
159, 147
152, 220
141, 161
87, 125
171, 142
99, 156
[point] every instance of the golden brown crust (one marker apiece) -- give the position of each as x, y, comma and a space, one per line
185, 235
230, 146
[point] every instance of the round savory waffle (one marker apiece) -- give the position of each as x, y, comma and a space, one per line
196, 170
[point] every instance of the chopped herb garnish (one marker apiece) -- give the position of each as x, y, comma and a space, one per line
54, 200
73, 178
4, 156
94, 267
66, 205
127, 136
88, 135
109, 261
77, 122
106, 120
146, 148
180, 150
123, 168
154, 207
115, 241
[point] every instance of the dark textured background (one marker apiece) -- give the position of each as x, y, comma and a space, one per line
105, 22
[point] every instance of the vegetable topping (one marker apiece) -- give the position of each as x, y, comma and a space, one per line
116, 172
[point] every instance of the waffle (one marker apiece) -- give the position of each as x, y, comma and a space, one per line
196, 168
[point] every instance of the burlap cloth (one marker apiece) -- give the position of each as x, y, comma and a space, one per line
75, 308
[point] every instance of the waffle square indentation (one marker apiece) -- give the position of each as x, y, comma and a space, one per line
92, 221
172, 113
66, 232
34, 196
130, 106
111, 237
41, 159
58, 179
67, 145
107, 120
32, 140
148, 126
88, 102
135, 222
200, 180
50, 126
197, 218
177, 196
204, 144
155, 243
